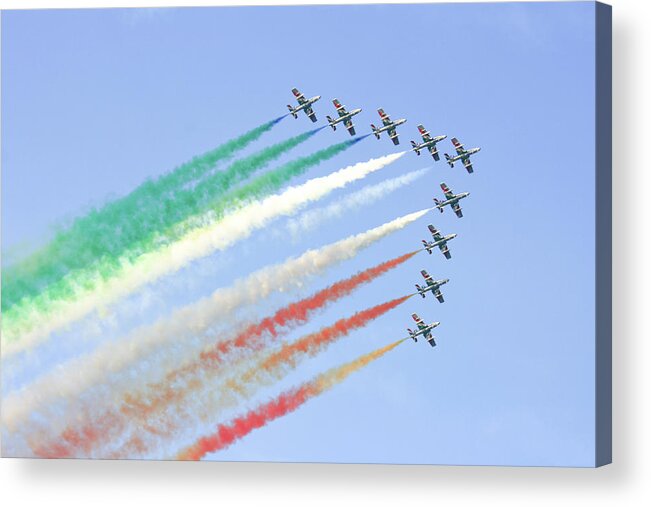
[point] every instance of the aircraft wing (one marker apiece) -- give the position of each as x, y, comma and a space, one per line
457, 209
310, 113
427, 278
341, 109
393, 135
350, 126
435, 233
468, 165
435, 152
458, 146
445, 251
427, 334
424, 133
419, 321
385, 117
446, 190
439, 295
299, 96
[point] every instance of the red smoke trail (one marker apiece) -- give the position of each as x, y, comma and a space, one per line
310, 345
287, 402
274, 366
113, 422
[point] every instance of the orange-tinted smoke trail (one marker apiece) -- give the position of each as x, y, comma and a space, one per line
287, 402
84, 438
262, 371
287, 356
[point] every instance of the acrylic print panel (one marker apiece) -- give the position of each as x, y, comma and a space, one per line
210, 253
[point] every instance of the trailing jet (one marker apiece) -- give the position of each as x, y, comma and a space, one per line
433, 286
344, 116
424, 330
462, 154
388, 126
303, 105
451, 199
439, 241
429, 142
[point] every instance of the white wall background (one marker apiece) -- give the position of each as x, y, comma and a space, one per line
626, 482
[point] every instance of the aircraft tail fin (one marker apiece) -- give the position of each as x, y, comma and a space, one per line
415, 146
334, 127
449, 160
420, 290
438, 204
425, 245
291, 110
375, 131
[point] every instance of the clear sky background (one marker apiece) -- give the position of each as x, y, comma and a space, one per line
94, 102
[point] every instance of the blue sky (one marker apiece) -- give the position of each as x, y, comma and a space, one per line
96, 101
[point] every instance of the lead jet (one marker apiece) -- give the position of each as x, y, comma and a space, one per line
462, 154
451, 199
303, 105
424, 330
389, 126
433, 286
439, 241
344, 116
429, 142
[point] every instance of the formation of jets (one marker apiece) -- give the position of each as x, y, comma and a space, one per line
451, 199
388, 125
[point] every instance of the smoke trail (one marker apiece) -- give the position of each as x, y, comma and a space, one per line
113, 240
312, 218
207, 365
70, 247
221, 232
242, 386
69, 380
227, 433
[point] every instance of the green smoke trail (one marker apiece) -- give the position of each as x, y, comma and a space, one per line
18, 319
110, 229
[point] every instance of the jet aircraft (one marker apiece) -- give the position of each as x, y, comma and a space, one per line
344, 116
439, 241
303, 105
433, 286
451, 199
424, 330
389, 126
429, 142
462, 154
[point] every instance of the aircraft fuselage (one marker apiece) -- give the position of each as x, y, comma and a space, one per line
391, 125
307, 104
345, 117
453, 200
466, 154
434, 286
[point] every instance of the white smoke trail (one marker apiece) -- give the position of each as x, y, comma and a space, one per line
69, 380
367, 195
198, 243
